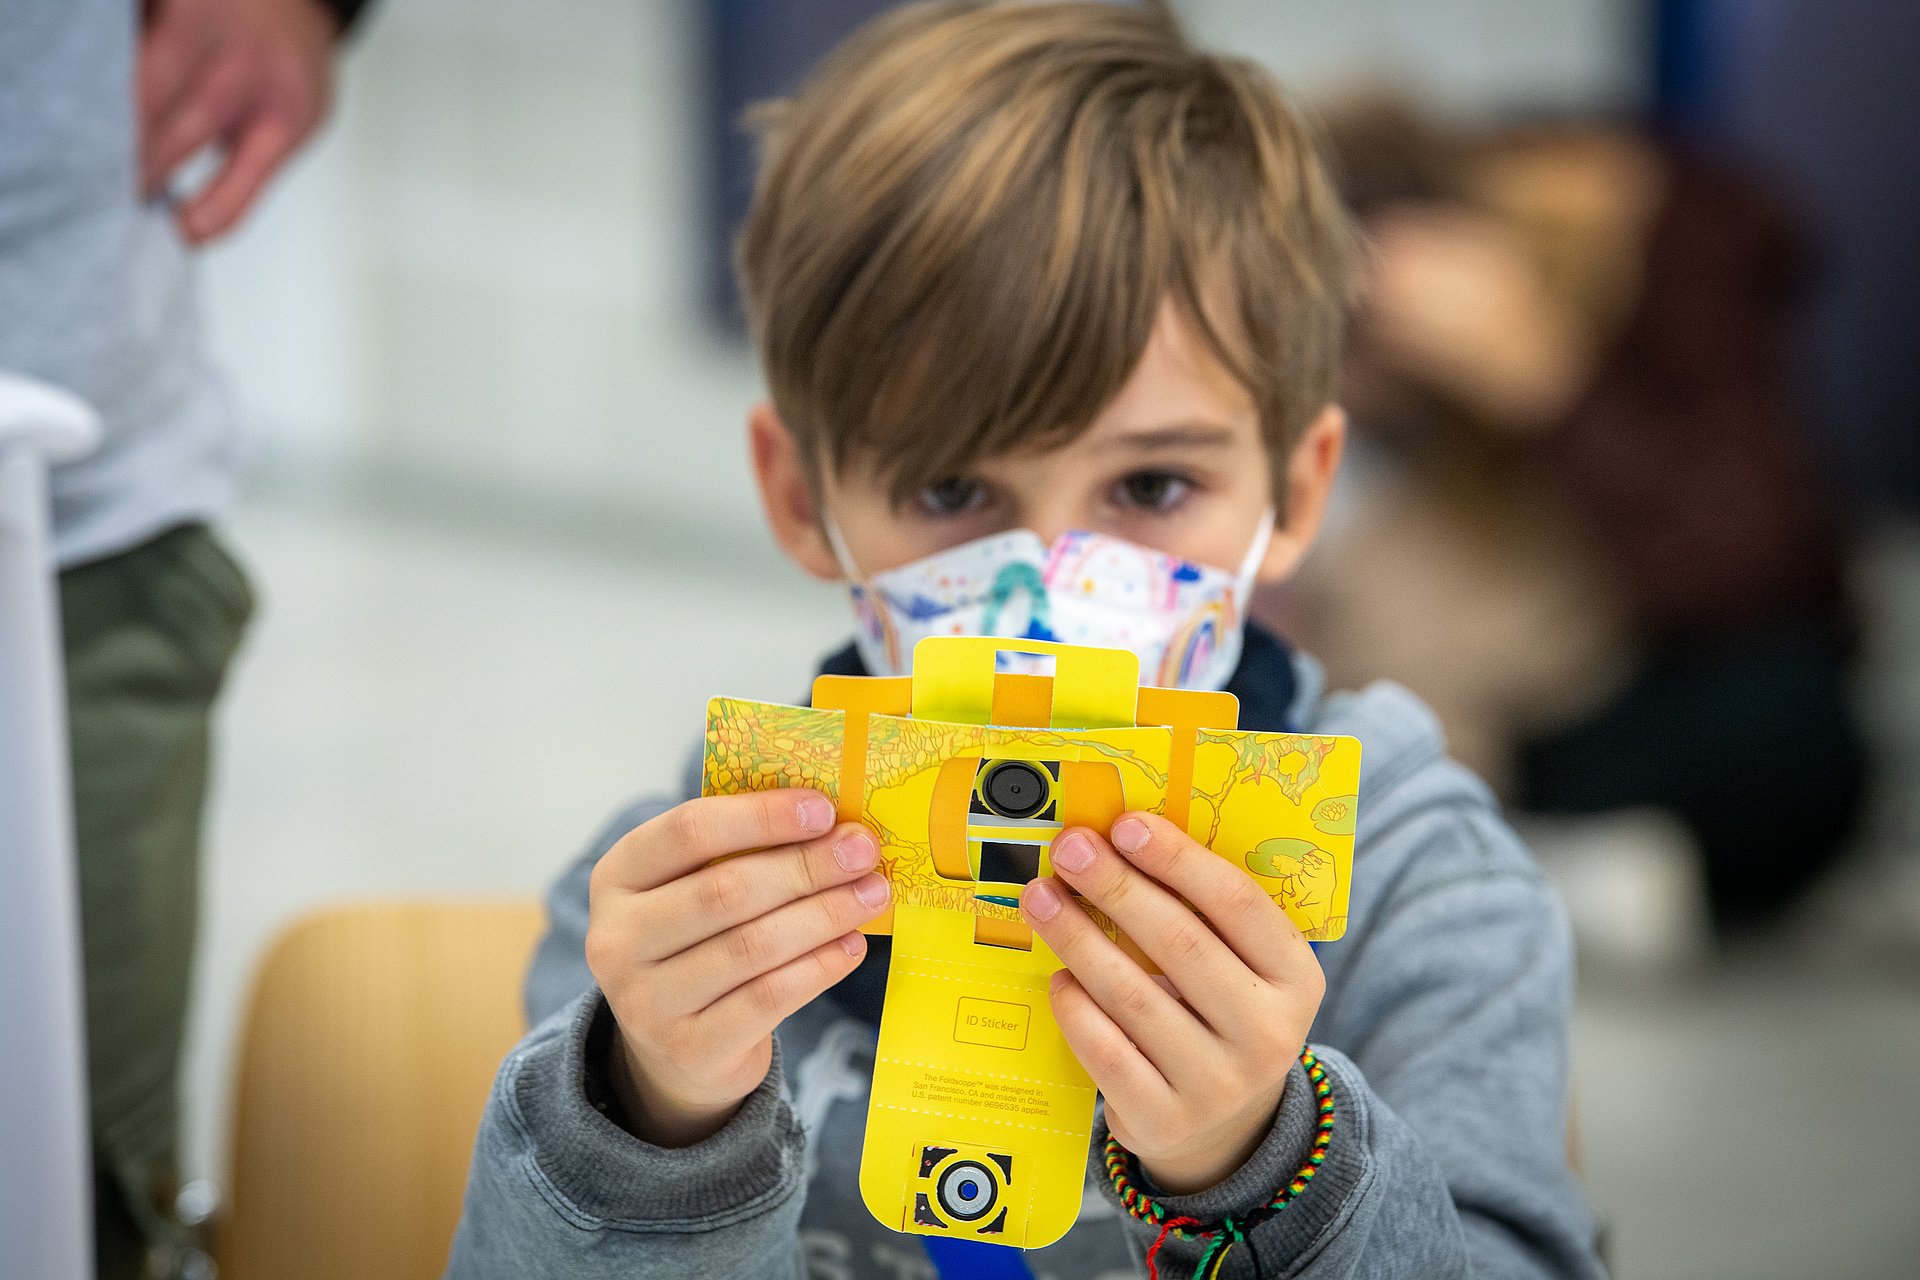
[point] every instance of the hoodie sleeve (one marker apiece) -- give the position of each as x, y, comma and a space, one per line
558, 1189
1444, 1038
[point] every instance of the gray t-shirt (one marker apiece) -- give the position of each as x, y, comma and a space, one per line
96, 291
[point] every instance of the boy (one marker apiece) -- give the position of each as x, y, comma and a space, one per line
1042, 267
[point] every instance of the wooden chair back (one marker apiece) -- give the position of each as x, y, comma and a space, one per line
370, 1045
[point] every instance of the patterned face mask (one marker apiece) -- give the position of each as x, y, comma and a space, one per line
1184, 620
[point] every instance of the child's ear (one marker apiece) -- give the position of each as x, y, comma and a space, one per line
1310, 472
786, 493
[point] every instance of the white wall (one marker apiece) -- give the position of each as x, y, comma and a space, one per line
484, 278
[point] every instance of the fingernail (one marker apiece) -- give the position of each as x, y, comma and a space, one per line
1130, 835
871, 890
854, 944
816, 813
1041, 900
855, 851
1073, 851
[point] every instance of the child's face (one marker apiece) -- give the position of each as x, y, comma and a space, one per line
1176, 461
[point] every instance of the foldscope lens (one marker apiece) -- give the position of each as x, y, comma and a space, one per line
1015, 788
966, 1190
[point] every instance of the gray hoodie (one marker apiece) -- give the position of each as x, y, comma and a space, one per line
1443, 1030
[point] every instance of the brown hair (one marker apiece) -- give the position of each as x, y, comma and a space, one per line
968, 218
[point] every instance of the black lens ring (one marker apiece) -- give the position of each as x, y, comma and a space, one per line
1017, 775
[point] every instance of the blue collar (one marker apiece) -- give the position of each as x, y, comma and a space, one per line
1265, 684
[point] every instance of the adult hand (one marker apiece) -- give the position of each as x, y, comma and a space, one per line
253, 77
1193, 1066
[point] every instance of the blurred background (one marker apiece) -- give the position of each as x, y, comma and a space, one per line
1633, 501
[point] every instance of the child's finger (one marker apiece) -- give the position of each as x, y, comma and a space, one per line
697, 906
1249, 922
1203, 968
1130, 1082
701, 975
749, 1013
1151, 1018
690, 835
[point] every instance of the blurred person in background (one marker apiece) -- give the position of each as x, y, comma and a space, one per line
101, 104
1592, 533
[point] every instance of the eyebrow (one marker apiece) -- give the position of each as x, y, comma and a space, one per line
1184, 435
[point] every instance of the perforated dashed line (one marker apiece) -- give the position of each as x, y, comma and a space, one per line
997, 1075
955, 1115
970, 982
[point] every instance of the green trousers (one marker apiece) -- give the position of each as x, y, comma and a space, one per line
148, 637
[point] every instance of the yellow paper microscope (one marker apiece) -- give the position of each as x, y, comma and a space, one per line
980, 1115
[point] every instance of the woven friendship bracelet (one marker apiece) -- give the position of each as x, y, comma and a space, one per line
1229, 1231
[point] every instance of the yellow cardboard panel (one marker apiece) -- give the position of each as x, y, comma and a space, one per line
980, 1114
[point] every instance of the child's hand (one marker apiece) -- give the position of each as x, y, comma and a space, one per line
1192, 1066
700, 963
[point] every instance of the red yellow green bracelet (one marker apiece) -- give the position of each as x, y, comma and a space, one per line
1230, 1230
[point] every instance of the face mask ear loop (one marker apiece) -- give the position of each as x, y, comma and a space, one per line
840, 552
1250, 563
837, 543
876, 601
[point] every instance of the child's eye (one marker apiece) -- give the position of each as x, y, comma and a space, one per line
952, 496
1152, 490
